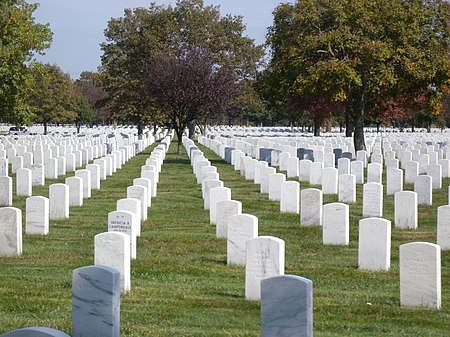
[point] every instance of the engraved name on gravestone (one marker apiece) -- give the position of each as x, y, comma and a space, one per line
420, 275
124, 222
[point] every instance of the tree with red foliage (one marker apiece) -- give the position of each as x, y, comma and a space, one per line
188, 87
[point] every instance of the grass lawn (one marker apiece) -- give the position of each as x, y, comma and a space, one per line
180, 283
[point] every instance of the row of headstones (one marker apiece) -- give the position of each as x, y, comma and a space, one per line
117, 247
286, 300
50, 163
39, 210
313, 171
334, 218
340, 181
97, 288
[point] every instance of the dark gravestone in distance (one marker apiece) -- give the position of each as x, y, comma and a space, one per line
265, 155
286, 307
36, 331
347, 155
337, 155
96, 302
300, 153
309, 154
192, 148
228, 151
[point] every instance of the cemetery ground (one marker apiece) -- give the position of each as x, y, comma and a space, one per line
180, 282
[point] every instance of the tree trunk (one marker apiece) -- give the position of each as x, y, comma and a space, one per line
348, 123
317, 128
45, 127
139, 125
179, 133
358, 119
191, 128
78, 128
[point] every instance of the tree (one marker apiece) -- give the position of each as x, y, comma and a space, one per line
54, 96
188, 87
85, 114
144, 35
349, 51
20, 39
89, 86
248, 107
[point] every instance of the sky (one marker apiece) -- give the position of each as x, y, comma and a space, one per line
78, 26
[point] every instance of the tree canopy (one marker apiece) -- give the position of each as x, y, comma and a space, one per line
360, 53
54, 96
145, 35
20, 38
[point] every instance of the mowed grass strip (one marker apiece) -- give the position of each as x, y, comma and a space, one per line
181, 285
348, 302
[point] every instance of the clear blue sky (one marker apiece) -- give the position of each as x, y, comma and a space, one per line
78, 26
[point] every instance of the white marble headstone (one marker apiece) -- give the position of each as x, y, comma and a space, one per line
335, 224
112, 249
240, 228
264, 258
374, 244
311, 201
420, 275
10, 231
225, 209
405, 209
37, 215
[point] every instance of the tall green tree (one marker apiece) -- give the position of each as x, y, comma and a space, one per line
20, 38
54, 98
144, 35
90, 86
85, 113
351, 50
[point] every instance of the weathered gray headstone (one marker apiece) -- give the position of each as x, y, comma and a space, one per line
96, 302
5, 191
35, 331
286, 306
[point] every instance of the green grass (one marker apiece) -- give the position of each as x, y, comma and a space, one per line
181, 285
